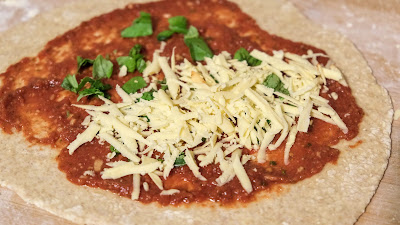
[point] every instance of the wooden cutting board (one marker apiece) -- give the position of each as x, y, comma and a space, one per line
373, 25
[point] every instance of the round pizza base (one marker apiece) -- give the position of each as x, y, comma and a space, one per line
337, 195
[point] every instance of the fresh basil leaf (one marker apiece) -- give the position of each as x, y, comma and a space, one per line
141, 65
163, 84
164, 87
96, 88
197, 46
102, 68
198, 49
273, 81
251, 61
242, 54
84, 81
82, 62
164, 35
180, 161
70, 83
147, 118
113, 149
192, 33
134, 84
88, 92
140, 27
127, 61
135, 50
99, 85
178, 24
148, 96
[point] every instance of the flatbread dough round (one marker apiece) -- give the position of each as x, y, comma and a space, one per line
337, 195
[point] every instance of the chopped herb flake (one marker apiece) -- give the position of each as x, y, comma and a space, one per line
179, 161
82, 62
147, 118
135, 50
134, 84
127, 61
243, 54
197, 46
140, 27
69, 83
178, 24
96, 88
192, 33
273, 81
164, 35
148, 96
113, 149
102, 68
141, 65
212, 76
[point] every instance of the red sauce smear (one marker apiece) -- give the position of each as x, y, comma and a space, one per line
33, 102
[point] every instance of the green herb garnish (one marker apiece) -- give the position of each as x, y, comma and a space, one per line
96, 88
147, 118
212, 76
178, 24
135, 50
197, 46
180, 161
163, 84
113, 149
164, 35
102, 68
161, 160
134, 84
69, 83
134, 60
127, 61
243, 54
141, 65
272, 163
192, 33
140, 27
273, 81
148, 96
82, 62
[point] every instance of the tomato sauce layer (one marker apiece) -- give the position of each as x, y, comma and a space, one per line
33, 102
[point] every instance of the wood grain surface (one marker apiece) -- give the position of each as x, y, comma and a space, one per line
373, 25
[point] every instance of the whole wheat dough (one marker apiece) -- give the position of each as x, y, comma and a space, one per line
337, 195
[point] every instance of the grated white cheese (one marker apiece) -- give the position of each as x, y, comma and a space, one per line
170, 192
123, 71
214, 116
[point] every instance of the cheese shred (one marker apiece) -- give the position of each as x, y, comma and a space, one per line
215, 110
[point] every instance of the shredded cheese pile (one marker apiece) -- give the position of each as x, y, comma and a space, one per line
210, 113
